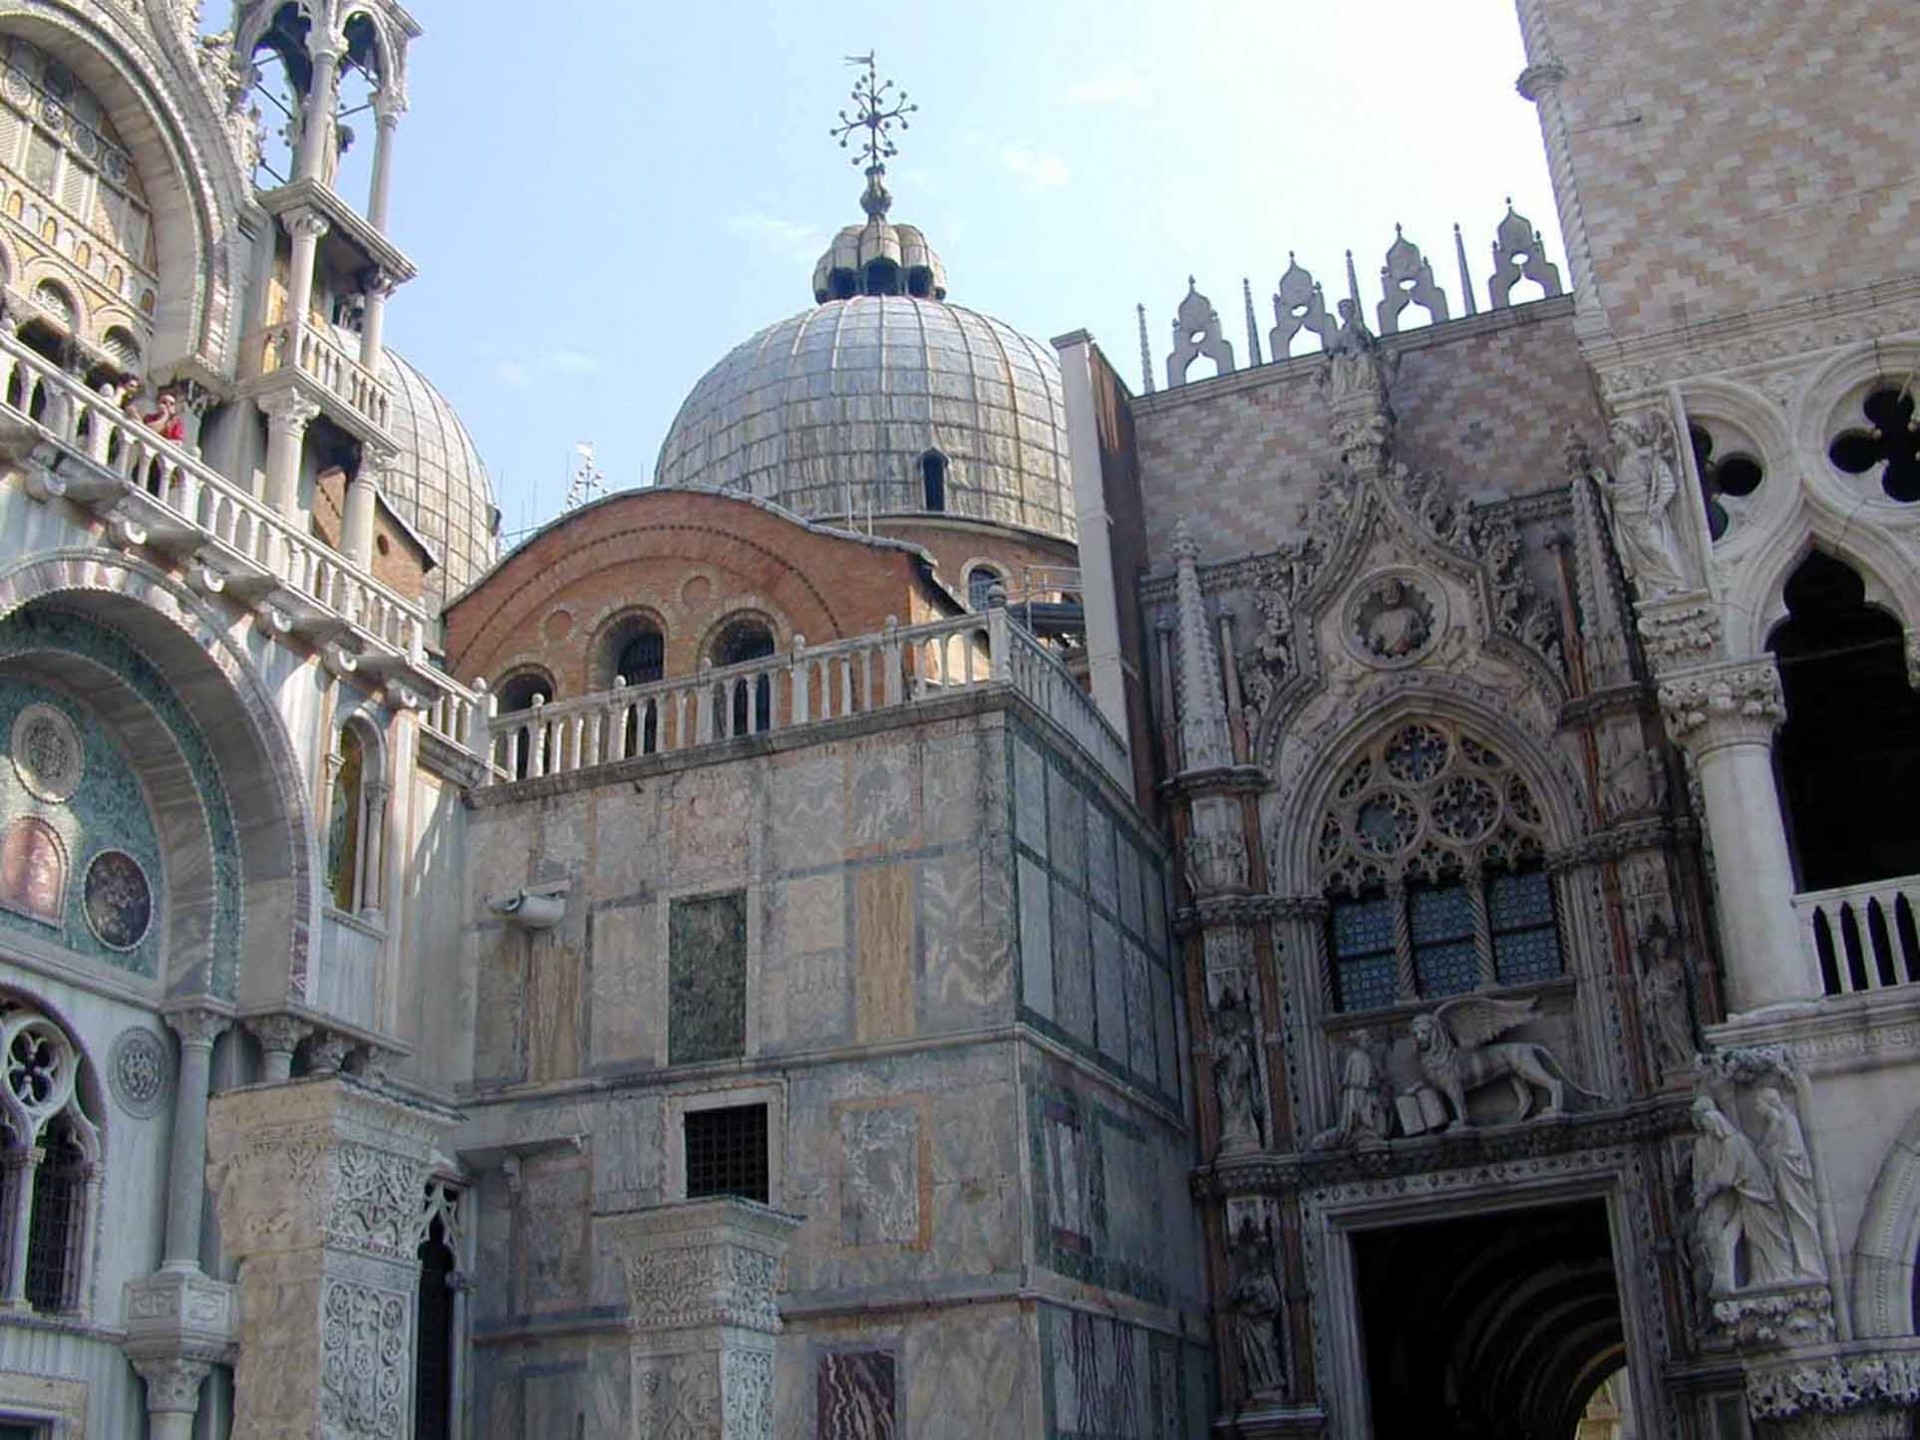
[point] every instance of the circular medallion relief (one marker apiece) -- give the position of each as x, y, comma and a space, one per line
118, 899
139, 1071
47, 753
1393, 620
558, 625
696, 592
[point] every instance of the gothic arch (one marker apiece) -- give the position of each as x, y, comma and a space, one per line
1884, 1247
259, 773
1289, 814
1756, 601
194, 203
1745, 412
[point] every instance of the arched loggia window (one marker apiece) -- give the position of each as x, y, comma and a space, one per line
1848, 756
50, 1164
746, 704
523, 692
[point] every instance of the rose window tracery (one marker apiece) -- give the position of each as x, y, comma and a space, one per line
1426, 801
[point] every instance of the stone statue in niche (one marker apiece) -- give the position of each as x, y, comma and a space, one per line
1255, 1305
1640, 491
1236, 1072
1783, 1145
1460, 1053
1665, 998
1363, 1115
1736, 1203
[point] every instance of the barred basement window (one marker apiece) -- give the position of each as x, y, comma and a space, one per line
727, 1152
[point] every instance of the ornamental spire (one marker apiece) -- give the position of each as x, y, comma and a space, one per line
878, 107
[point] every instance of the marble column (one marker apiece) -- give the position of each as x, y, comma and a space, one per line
387, 108
179, 1321
288, 414
702, 1280
316, 111
197, 1028
1724, 716
304, 227
373, 325
321, 1195
279, 1037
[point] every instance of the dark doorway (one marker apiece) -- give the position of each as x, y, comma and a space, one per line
433, 1361
1498, 1327
1849, 754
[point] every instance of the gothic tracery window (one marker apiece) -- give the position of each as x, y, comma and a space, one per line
1430, 854
51, 1159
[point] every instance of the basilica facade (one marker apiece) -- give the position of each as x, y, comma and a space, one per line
1359, 886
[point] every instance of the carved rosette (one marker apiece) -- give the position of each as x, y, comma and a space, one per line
1731, 704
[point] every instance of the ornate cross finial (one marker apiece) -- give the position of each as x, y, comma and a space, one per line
877, 105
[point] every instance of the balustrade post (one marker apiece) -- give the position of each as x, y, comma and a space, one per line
801, 691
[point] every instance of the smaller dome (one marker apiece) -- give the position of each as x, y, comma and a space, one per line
879, 257
437, 483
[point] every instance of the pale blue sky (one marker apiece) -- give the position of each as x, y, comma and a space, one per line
604, 200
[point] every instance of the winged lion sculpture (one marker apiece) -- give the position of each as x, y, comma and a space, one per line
1460, 1052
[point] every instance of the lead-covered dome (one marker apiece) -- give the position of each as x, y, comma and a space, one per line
437, 483
885, 404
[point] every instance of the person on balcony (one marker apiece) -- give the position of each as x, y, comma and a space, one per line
167, 420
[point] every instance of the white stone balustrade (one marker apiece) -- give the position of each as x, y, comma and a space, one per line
336, 370
899, 667
1864, 936
156, 493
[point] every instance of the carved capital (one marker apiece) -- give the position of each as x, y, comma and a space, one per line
306, 223
197, 1026
289, 409
1679, 631
1734, 704
279, 1034
1865, 1389
704, 1263
1777, 1315
173, 1384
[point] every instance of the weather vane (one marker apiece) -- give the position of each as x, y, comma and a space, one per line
877, 105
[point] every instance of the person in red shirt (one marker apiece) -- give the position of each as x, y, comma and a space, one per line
168, 420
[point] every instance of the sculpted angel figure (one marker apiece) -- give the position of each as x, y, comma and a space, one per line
1640, 491
1735, 1201
1460, 1052
1783, 1144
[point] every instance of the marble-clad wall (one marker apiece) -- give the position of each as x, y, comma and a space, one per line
855, 899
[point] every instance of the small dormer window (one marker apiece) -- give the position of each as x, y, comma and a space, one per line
933, 480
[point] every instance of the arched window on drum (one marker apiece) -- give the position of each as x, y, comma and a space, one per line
745, 702
1431, 856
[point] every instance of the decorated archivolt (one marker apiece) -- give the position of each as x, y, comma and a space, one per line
1426, 800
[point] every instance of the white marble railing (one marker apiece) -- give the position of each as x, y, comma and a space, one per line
156, 492
341, 374
346, 977
459, 717
897, 668
1865, 937
322, 359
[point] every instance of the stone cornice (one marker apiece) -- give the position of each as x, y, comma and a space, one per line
1403, 1162
1838, 1032
1648, 363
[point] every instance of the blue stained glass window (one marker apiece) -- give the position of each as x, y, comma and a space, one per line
1526, 941
1363, 960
